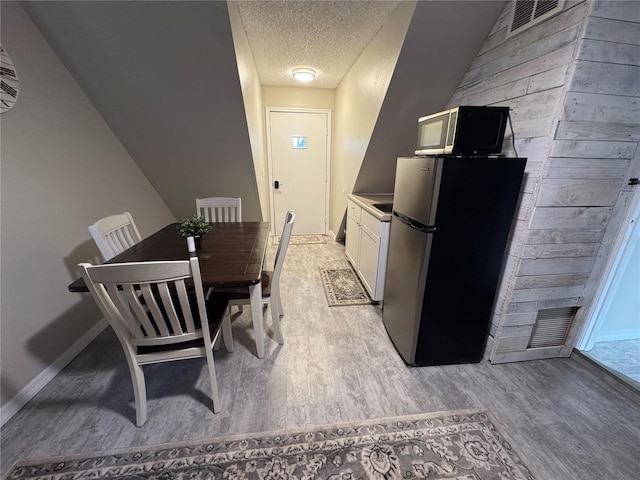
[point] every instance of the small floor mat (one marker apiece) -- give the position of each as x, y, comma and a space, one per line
302, 239
342, 287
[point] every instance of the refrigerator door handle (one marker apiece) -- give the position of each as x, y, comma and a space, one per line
413, 223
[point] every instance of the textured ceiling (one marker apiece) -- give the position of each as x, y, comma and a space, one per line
327, 36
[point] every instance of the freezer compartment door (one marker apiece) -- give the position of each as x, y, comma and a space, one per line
413, 194
404, 286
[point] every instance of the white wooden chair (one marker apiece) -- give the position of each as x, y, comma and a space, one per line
157, 319
114, 234
270, 282
219, 209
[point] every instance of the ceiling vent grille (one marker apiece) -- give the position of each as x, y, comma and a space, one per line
551, 327
527, 13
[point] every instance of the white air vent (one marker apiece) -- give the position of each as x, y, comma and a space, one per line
526, 13
551, 327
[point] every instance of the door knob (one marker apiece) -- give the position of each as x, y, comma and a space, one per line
276, 184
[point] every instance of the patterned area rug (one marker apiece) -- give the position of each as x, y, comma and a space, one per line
302, 239
343, 287
447, 445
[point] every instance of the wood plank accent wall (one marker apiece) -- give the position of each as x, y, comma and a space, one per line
572, 85
601, 120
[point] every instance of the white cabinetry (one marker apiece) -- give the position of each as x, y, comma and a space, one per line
366, 247
352, 237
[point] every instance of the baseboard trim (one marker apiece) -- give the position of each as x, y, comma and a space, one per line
13, 406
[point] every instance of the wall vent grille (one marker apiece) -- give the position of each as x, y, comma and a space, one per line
551, 327
527, 13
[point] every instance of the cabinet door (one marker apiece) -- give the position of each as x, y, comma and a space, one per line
368, 260
352, 240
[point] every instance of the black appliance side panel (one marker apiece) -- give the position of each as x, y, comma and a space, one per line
476, 207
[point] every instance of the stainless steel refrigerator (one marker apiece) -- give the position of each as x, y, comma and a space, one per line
449, 230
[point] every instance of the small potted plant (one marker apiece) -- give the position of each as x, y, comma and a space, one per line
194, 228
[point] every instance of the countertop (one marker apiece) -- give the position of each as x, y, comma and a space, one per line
366, 201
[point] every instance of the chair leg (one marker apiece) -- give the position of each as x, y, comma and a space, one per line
212, 380
240, 308
139, 393
255, 295
275, 317
216, 343
280, 309
275, 299
227, 335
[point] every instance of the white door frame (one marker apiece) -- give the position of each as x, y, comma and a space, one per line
327, 190
611, 276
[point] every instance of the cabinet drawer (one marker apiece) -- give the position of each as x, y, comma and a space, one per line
354, 210
370, 222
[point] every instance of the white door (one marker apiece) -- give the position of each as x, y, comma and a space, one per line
614, 316
298, 150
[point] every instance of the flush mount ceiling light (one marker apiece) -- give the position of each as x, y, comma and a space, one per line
304, 74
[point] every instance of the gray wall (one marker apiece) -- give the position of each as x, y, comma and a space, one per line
62, 169
431, 63
254, 111
358, 99
410, 69
164, 77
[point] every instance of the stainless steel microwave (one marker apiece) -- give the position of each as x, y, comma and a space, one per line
465, 130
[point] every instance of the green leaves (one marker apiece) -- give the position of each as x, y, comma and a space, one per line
191, 227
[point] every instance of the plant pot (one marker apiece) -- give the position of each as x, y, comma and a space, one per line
194, 243
191, 244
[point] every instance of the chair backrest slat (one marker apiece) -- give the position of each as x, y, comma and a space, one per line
181, 289
154, 309
121, 239
136, 319
219, 209
169, 308
112, 241
114, 234
149, 301
284, 244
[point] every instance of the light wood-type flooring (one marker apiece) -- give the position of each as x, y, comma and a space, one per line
566, 417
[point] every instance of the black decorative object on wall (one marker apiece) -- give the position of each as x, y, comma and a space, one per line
9, 83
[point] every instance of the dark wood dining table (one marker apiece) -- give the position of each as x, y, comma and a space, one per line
232, 254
